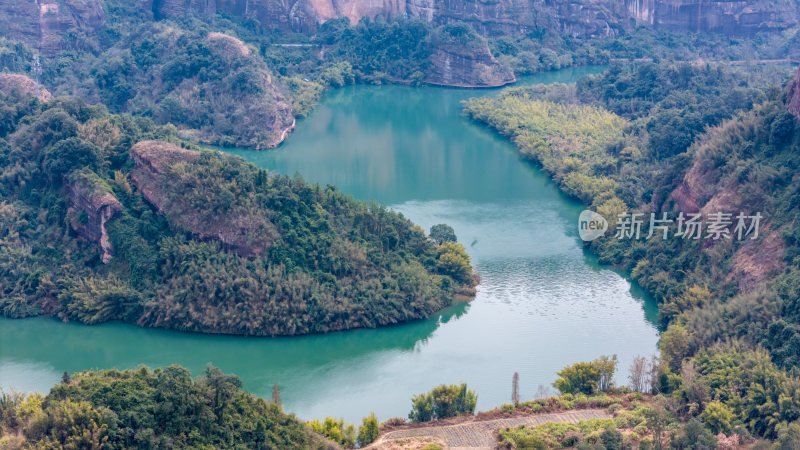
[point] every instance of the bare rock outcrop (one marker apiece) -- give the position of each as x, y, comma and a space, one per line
92, 205
582, 18
757, 261
732, 18
466, 67
44, 24
12, 81
161, 172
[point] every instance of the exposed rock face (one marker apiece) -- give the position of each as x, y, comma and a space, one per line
757, 261
493, 17
92, 205
248, 234
738, 18
462, 67
586, 18
44, 23
12, 81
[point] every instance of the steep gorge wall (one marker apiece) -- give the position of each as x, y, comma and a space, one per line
583, 18
44, 24
735, 18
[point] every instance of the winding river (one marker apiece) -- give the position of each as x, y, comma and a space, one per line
543, 302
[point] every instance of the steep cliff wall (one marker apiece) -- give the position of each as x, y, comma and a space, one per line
464, 67
583, 18
44, 24
735, 18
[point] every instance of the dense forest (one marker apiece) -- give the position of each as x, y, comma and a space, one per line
143, 408
193, 239
682, 138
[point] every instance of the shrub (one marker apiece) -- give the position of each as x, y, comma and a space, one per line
368, 431
442, 402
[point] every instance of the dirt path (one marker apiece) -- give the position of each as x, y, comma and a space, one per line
480, 434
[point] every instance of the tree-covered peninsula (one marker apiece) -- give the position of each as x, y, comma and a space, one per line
110, 217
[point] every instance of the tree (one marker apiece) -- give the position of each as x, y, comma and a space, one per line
611, 438
674, 346
442, 402
606, 366
68, 155
695, 435
368, 431
719, 417
789, 437
454, 262
335, 430
639, 374
515, 389
582, 377
657, 419
442, 233
65, 377
421, 408
276, 395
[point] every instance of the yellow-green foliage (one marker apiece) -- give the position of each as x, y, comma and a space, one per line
304, 94
567, 140
455, 262
335, 430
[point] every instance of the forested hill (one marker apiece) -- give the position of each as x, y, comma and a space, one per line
161, 408
666, 139
106, 217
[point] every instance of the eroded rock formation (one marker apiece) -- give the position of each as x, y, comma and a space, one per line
248, 233
587, 18
92, 205
44, 24
733, 18
466, 67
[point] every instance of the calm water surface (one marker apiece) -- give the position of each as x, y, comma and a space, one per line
542, 303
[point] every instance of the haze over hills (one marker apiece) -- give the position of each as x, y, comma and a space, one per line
111, 211
42, 22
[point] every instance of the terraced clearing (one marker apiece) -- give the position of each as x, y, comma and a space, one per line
480, 434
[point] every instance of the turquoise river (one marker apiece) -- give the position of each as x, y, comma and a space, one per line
543, 301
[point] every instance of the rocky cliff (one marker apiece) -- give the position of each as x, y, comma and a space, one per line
583, 18
92, 205
162, 171
46, 24
458, 66
733, 18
